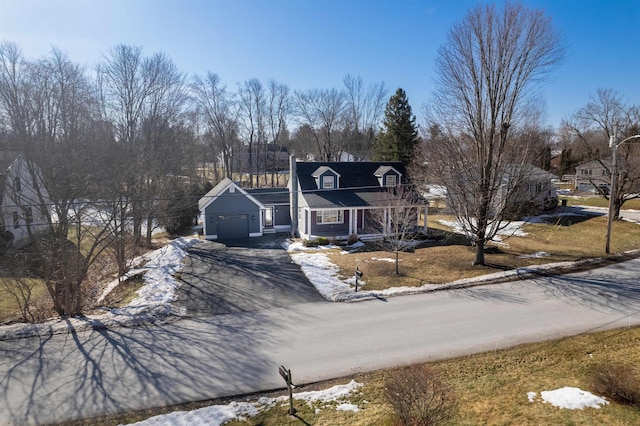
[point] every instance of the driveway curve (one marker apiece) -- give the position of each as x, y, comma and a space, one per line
241, 276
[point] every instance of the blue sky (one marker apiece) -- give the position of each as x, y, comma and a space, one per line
315, 43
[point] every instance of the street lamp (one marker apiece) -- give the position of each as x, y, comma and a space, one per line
614, 177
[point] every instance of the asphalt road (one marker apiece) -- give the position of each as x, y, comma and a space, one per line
99, 372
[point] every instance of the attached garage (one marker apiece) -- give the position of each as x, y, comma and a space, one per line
233, 226
228, 211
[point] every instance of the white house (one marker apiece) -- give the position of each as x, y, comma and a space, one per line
22, 199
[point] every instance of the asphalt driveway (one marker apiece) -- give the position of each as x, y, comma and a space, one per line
241, 276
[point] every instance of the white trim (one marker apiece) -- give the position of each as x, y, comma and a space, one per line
339, 216
220, 189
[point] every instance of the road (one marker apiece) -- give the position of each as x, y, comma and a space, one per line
632, 215
101, 372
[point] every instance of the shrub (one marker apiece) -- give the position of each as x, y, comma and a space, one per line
310, 243
420, 396
353, 238
616, 382
323, 241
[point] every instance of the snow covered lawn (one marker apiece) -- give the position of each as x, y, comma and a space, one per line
336, 397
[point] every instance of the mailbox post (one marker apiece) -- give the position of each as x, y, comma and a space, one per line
359, 275
286, 375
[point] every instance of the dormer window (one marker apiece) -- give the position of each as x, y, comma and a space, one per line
326, 178
328, 182
388, 177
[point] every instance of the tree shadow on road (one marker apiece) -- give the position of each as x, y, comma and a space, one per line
118, 370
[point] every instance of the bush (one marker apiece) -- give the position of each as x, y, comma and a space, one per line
310, 243
353, 238
420, 396
323, 241
616, 382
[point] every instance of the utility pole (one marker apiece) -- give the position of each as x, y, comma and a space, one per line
613, 143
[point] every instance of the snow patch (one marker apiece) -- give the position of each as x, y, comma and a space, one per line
536, 255
570, 398
217, 415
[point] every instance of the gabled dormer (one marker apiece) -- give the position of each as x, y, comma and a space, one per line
326, 178
388, 177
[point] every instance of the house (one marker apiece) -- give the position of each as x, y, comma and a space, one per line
22, 199
591, 175
536, 188
322, 199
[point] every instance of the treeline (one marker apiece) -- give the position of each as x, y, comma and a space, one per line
139, 141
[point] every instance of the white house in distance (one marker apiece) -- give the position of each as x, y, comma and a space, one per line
22, 198
594, 174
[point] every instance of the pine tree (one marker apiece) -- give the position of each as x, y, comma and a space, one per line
397, 140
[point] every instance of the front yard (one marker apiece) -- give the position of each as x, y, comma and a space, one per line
450, 258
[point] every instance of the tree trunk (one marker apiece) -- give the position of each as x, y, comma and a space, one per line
397, 261
149, 230
479, 260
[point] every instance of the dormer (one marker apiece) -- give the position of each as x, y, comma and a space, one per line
388, 177
326, 178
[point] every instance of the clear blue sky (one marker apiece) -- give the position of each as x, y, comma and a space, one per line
315, 43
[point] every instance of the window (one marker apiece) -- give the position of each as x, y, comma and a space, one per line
329, 216
17, 184
16, 220
29, 215
391, 181
268, 216
328, 182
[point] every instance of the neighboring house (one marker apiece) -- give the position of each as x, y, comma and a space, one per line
22, 196
591, 175
537, 187
323, 199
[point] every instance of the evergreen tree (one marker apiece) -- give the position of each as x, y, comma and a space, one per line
398, 138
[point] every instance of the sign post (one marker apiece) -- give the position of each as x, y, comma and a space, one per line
359, 275
286, 375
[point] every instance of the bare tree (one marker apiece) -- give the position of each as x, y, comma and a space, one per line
364, 108
220, 113
593, 126
51, 106
253, 117
160, 157
279, 109
488, 71
396, 219
323, 111
125, 87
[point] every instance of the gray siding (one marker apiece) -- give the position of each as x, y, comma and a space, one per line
330, 229
281, 215
231, 203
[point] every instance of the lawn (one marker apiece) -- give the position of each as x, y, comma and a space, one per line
600, 202
451, 258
